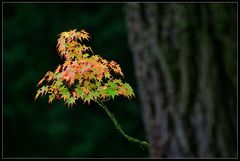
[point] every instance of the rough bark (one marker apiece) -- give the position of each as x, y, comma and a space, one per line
174, 49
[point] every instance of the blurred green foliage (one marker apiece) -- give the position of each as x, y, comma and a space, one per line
39, 129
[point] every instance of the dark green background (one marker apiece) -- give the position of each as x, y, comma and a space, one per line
39, 129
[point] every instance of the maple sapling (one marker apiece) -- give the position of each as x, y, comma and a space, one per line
84, 76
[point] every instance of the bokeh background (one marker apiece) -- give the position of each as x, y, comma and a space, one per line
198, 43
38, 129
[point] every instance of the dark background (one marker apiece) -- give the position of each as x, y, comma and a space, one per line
198, 43
38, 129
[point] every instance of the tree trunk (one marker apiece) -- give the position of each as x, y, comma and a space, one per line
184, 59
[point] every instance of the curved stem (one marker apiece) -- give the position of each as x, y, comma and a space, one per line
117, 125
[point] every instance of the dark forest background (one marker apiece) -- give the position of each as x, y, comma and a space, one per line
180, 59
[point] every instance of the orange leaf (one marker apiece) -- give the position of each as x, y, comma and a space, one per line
40, 81
58, 68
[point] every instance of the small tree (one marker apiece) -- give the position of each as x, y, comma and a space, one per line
85, 76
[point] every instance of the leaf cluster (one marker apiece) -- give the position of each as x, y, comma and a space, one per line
83, 75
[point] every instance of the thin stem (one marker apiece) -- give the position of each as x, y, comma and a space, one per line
117, 125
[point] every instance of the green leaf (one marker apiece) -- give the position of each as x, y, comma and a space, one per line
86, 55
88, 98
112, 85
51, 98
70, 101
57, 76
95, 94
65, 93
72, 55
38, 92
44, 90
80, 92
58, 83
112, 93
129, 92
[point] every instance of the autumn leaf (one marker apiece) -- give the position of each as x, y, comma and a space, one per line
58, 69
107, 75
83, 75
49, 76
84, 35
40, 82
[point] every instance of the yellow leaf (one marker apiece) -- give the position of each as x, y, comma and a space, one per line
38, 92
